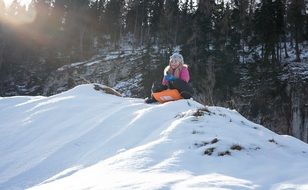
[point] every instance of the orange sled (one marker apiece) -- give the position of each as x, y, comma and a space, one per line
167, 95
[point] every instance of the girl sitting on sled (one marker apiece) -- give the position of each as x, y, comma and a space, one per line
174, 85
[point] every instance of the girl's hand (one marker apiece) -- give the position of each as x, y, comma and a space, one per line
169, 77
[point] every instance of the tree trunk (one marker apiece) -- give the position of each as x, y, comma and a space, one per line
148, 37
135, 28
243, 48
298, 59
285, 46
210, 80
273, 52
262, 52
266, 52
291, 43
176, 30
278, 52
142, 24
81, 41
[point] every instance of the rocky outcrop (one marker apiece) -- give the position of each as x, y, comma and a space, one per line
109, 70
299, 111
298, 91
278, 101
124, 71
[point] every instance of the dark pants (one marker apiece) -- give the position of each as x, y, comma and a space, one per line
183, 87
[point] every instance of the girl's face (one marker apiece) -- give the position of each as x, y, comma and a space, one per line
174, 64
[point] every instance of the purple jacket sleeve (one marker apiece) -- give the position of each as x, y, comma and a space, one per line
184, 75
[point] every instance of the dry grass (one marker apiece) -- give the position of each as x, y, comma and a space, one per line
209, 151
236, 147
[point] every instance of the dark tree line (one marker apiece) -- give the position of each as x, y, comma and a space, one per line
53, 32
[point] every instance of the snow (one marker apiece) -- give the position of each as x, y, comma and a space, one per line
86, 139
93, 63
246, 57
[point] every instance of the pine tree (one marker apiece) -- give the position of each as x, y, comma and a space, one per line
200, 47
240, 25
96, 11
172, 15
296, 17
285, 29
85, 22
279, 25
269, 23
76, 25
143, 19
43, 26
132, 18
112, 19
186, 18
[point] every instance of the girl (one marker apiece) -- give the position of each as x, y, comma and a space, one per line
176, 76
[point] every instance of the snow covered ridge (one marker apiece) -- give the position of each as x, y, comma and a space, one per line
85, 139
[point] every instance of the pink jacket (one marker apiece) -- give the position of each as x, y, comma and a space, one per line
184, 75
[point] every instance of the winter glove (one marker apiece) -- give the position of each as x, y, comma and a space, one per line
169, 78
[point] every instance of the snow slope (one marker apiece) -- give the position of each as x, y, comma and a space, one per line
85, 139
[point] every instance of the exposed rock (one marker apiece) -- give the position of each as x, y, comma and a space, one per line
278, 101
123, 72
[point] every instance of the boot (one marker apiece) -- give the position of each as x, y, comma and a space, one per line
150, 100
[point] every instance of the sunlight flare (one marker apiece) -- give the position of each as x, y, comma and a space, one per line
22, 2
20, 16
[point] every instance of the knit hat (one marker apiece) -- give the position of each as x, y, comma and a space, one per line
177, 57
175, 71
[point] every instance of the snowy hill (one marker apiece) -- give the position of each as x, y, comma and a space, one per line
85, 139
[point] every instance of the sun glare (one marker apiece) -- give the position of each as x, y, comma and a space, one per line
18, 18
22, 2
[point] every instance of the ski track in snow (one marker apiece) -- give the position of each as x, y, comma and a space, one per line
85, 139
